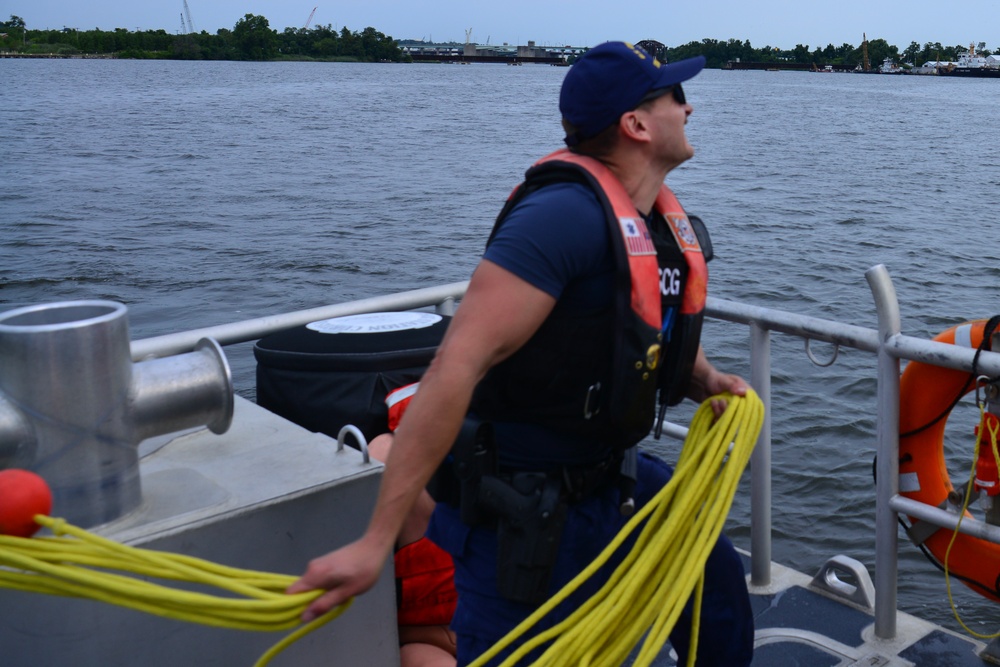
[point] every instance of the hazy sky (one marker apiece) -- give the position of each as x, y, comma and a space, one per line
781, 23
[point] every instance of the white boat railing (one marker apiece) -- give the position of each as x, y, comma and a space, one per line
442, 297
890, 346
887, 343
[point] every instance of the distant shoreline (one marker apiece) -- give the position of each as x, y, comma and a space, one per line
252, 38
60, 56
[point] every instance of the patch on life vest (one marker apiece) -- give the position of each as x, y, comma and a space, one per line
637, 239
683, 233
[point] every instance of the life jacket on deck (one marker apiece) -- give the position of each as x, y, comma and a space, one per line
564, 377
397, 401
425, 587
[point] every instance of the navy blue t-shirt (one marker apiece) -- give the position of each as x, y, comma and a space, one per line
556, 239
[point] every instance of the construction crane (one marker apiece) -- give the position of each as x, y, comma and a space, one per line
187, 12
310, 19
184, 29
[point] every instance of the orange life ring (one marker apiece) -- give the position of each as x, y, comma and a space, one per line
927, 393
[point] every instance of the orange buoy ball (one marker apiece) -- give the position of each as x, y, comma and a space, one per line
23, 494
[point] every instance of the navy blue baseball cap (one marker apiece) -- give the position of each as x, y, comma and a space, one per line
612, 78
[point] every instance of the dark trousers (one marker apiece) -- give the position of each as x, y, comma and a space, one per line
483, 617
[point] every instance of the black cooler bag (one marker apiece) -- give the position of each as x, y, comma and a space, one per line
334, 372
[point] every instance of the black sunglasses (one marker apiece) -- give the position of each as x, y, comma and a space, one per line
674, 90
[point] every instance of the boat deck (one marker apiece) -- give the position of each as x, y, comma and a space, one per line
801, 620
205, 496
800, 626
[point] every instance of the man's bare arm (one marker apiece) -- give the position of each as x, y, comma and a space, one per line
499, 313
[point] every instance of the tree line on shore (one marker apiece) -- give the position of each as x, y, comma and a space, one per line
718, 53
252, 38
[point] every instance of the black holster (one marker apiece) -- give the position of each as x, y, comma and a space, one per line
528, 509
456, 481
531, 511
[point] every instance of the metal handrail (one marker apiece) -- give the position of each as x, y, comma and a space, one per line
888, 343
442, 297
887, 463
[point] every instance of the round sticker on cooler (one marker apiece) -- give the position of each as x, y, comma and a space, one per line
375, 323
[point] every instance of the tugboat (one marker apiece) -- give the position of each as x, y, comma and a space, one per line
889, 66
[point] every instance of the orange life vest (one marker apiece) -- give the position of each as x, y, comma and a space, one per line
425, 584
614, 402
425, 573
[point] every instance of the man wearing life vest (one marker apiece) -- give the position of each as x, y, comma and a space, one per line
587, 304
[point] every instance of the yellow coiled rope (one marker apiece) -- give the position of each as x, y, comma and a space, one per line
993, 430
648, 590
84, 566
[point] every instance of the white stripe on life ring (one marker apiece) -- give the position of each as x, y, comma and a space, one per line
963, 335
909, 482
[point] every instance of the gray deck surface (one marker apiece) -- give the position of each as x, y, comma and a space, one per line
797, 627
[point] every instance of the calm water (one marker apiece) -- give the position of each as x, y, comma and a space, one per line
202, 193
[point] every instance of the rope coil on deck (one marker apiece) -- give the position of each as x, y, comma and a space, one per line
66, 566
648, 590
